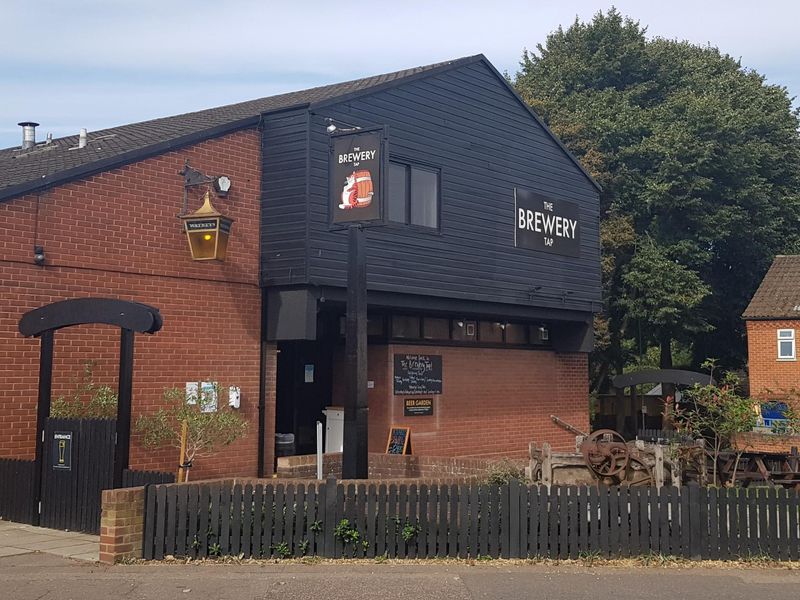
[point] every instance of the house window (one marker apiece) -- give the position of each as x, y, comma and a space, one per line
786, 348
413, 195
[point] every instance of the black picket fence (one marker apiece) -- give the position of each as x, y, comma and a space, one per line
331, 519
138, 478
72, 503
16, 490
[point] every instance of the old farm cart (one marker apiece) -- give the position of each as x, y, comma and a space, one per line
77, 458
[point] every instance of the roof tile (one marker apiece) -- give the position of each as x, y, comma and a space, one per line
778, 296
20, 167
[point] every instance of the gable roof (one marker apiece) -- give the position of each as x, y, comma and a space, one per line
778, 296
24, 171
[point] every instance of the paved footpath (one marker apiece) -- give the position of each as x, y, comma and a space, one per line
41, 576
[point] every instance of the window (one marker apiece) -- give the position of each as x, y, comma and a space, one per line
436, 329
490, 332
405, 327
516, 334
413, 195
786, 349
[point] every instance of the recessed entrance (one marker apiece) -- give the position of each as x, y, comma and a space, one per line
304, 388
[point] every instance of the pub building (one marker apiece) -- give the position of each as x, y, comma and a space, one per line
481, 243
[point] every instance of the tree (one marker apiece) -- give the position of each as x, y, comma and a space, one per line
207, 429
696, 154
717, 413
665, 295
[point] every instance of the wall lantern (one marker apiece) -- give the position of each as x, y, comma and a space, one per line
208, 231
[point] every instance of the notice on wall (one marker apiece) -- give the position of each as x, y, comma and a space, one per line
355, 172
62, 450
546, 224
417, 374
418, 407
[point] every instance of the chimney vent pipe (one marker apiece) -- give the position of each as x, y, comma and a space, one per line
82, 138
28, 134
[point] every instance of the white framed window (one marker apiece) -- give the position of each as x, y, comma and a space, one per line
786, 344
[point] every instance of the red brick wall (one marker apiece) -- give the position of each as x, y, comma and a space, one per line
495, 401
116, 235
766, 372
387, 466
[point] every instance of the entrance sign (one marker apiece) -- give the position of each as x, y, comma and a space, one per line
418, 407
356, 174
62, 450
545, 224
417, 374
399, 441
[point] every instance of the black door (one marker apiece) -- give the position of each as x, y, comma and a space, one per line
303, 390
78, 465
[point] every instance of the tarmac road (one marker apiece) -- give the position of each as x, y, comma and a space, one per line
43, 576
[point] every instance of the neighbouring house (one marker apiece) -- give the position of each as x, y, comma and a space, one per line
773, 325
486, 271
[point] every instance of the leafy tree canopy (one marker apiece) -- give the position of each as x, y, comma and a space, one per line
695, 153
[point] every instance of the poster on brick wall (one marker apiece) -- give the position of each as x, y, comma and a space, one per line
417, 374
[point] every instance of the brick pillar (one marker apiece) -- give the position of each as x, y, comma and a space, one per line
121, 524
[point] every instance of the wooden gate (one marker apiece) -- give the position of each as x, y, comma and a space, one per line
78, 466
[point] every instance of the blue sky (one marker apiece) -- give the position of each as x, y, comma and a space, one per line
69, 64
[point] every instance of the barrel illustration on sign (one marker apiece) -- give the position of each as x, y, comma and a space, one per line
546, 224
417, 374
355, 172
357, 192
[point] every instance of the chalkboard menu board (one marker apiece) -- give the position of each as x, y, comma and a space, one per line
399, 441
417, 374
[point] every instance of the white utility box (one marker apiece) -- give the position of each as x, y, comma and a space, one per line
334, 429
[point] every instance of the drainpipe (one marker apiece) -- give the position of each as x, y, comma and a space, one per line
262, 392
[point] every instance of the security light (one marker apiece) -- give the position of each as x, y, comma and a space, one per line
222, 184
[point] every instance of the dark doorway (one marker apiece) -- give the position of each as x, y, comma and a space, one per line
304, 388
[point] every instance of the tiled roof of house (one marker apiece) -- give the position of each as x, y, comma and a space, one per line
778, 296
45, 164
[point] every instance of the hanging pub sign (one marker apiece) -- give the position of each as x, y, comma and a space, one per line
417, 374
62, 450
542, 223
356, 172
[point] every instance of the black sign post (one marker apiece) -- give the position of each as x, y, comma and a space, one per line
546, 224
356, 176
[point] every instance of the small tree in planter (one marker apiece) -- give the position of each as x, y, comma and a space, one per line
207, 430
88, 401
717, 413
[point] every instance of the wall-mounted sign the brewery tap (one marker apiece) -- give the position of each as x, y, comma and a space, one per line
542, 223
356, 172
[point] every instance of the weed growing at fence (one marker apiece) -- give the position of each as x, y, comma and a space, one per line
215, 550
349, 534
409, 532
315, 527
304, 547
281, 550
658, 559
589, 557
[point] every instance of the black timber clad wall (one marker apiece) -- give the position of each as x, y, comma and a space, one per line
466, 122
284, 154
